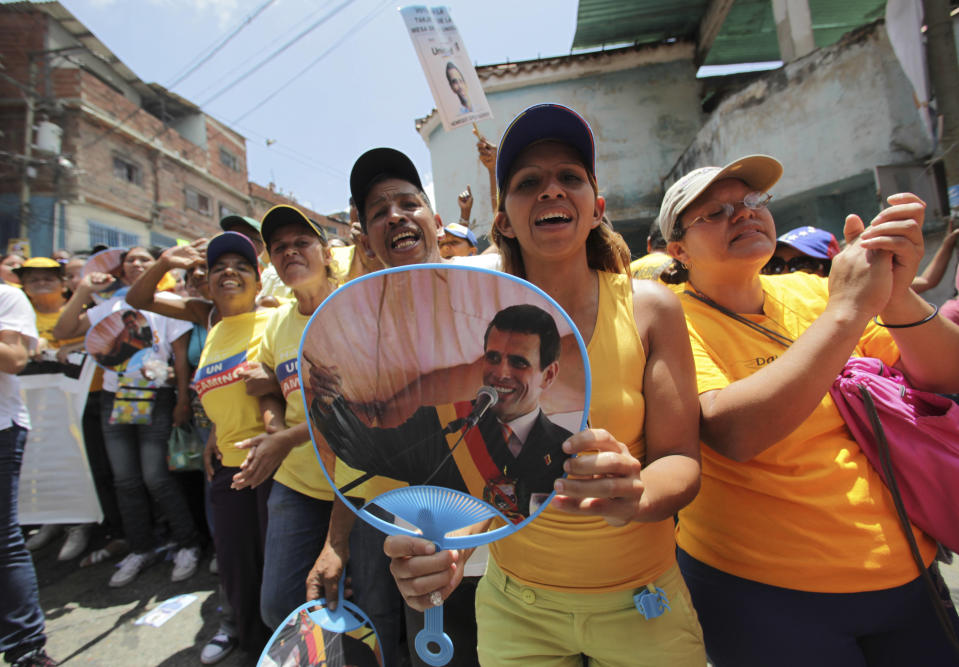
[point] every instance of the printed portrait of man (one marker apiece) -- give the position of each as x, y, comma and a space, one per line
457, 83
134, 336
510, 457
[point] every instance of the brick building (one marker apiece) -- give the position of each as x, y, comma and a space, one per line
264, 198
138, 164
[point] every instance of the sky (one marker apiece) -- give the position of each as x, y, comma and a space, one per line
363, 86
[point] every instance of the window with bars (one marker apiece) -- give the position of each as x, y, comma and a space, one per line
128, 171
230, 160
198, 201
226, 210
162, 240
111, 236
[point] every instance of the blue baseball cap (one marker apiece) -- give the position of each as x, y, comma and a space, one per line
461, 231
541, 122
231, 242
811, 241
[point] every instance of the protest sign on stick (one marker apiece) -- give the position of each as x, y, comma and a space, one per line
456, 88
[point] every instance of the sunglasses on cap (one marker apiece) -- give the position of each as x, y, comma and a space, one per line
778, 265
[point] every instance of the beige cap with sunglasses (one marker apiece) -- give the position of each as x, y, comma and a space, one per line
759, 172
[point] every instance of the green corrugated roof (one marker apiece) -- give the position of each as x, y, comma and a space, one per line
747, 35
601, 22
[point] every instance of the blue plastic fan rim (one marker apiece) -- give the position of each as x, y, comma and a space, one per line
346, 618
443, 541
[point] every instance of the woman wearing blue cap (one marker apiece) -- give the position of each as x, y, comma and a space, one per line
571, 584
240, 515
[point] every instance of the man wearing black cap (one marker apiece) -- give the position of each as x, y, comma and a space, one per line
400, 227
398, 223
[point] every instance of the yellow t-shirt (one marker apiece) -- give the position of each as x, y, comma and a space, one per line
578, 554
341, 260
279, 350
650, 265
301, 469
230, 345
809, 513
45, 324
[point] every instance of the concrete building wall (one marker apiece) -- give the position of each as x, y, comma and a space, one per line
642, 104
830, 118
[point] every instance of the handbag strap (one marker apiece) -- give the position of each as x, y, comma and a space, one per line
885, 458
774, 336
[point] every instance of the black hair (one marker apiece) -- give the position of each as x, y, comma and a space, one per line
655, 237
379, 178
155, 251
529, 319
449, 66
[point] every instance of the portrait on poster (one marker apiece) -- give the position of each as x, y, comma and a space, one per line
121, 341
453, 81
463, 379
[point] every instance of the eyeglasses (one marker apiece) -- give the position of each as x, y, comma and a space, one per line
778, 265
722, 211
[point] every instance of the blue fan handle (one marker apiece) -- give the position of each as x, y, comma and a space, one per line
433, 632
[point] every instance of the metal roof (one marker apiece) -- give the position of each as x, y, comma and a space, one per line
748, 33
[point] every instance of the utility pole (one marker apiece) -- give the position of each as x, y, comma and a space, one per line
27, 153
944, 77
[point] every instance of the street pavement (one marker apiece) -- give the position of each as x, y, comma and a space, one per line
89, 623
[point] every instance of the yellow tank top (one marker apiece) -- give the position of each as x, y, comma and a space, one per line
576, 554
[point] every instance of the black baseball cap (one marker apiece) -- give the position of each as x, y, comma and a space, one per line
377, 162
282, 214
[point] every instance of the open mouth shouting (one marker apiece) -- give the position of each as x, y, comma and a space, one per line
404, 239
552, 217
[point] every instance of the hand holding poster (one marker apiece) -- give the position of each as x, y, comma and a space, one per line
456, 88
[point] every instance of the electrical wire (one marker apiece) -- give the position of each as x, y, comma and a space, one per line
276, 53
223, 42
362, 23
272, 43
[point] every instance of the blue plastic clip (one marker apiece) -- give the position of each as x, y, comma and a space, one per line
651, 602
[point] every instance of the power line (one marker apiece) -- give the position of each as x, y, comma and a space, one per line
223, 42
273, 55
346, 35
273, 42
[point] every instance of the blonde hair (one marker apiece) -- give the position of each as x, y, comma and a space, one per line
605, 249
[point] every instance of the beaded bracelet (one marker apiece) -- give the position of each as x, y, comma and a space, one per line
911, 324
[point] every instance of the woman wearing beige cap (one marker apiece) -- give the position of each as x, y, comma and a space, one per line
792, 549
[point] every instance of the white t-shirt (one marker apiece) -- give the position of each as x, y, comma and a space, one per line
16, 314
165, 331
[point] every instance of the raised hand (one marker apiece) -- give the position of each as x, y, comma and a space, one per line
465, 200
898, 231
185, 256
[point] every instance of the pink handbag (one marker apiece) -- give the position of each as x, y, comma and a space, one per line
919, 431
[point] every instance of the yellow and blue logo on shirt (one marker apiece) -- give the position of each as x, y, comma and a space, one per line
219, 373
287, 376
